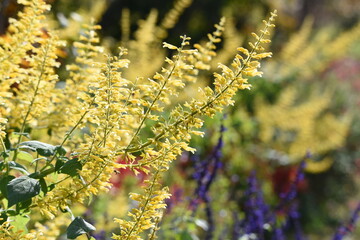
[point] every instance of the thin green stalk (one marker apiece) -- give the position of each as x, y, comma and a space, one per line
153, 232
157, 96
5, 158
3, 145
108, 92
124, 105
67, 136
149, 195
42, 71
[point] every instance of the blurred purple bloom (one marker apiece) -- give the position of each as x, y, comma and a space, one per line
205, 173
349, 227
278, 234
289, 206
98, 234
101, 235
256, 210
292, 193
176, 197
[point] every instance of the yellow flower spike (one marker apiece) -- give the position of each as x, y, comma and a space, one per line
113, 109
308, 121
172, 137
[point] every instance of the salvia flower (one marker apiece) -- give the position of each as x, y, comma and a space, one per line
349, 227
289, 206
255, 209
205, 173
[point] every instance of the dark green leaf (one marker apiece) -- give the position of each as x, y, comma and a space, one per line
21, 189
3, 217
23, 205
78, 227
43, 149
60, 150
17, 166
3, 182
71, 167
34, 175
5, 154
52, 186
11, 212
43, 185
59, 163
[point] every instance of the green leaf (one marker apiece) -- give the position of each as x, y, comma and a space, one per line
19, 222
3, 217
25, 134
5, 154
78, 227
60, 150
17, 166
25, 156
21, 189
60, 162
71, 167
3, 183
23, 205
52, 186
43, 149
43, 185
38, 159
11, 212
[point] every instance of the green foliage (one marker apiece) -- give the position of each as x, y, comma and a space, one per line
78, 227
22, 189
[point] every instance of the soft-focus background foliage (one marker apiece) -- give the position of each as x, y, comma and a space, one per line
307, 101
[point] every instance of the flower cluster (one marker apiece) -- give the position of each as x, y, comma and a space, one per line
300, 126
99, 115
261, 220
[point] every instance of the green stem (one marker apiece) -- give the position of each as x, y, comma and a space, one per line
42, 71
121, 114
5, 158
108, 93
157, 95
148, 197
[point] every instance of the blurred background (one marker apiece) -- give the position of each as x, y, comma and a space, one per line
306, 106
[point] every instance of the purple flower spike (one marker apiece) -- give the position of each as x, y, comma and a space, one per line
278, 234
292, 193
205, 173
289, 206
349, 227
255, 209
